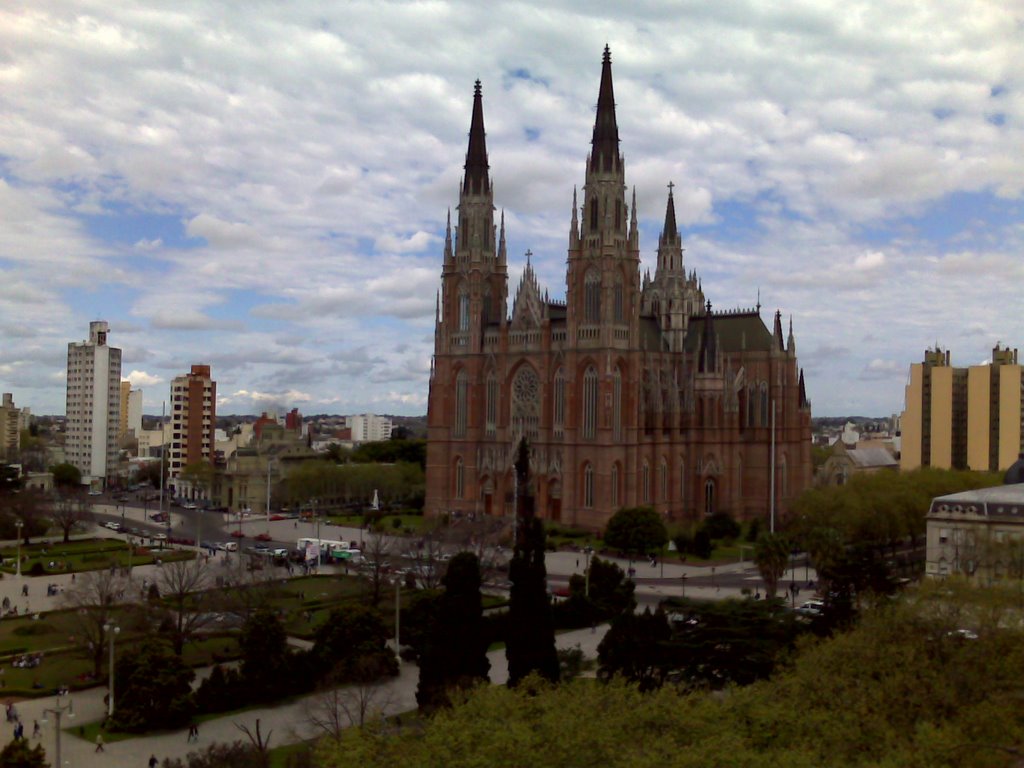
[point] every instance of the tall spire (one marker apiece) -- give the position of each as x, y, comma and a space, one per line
476, 180
501, 239
778, 332
671, 231
707, 354
448, 238
604, 153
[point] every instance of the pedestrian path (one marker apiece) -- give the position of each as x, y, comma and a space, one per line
287, 724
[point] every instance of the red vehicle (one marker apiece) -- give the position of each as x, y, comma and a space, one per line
238, 534
263, 537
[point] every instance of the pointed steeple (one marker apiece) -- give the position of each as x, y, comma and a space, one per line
778, 331
448, 238
604, 152
671, 231
708, 346
574, 225
501, 239
476, 179
803, 391
791, 341
634, 236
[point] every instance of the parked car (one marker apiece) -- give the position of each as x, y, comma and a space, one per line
813, 607
238, 534
263, 536
190, 505
114, 526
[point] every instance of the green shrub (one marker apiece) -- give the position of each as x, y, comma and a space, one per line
35, 628
37, 569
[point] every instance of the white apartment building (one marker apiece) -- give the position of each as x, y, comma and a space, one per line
13, 421
130, 424
368, 428
93, 405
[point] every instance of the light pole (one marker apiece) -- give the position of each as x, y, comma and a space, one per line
18, 526
398, 645
112, 631
57, 710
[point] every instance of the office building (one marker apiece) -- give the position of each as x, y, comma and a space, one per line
130, 423
963, 418
13, 421
193, 422
93, 405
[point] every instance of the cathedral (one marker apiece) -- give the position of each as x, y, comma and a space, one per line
633, 391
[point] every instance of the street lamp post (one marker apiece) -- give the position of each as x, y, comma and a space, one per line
18, 526
398, 597
58, 710
112, 632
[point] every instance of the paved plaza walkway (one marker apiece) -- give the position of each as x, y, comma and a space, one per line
289, 723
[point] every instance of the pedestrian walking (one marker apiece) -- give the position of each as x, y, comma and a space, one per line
24, 590
36, 731
153, 761
99, 743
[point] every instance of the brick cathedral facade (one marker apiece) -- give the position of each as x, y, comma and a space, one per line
633, 391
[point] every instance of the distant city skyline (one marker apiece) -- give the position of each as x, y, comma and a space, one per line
266, 193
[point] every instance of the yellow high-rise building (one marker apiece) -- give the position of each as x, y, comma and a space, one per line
963, 418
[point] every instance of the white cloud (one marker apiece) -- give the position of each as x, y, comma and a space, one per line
270, 195
143, 379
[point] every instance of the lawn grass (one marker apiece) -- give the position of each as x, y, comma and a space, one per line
47, 559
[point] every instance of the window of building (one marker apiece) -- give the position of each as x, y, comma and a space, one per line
593, 214
765, 419
492, 404
617, 404
589, 414
461, 403
460, 479
558, 404
663, 479
592, 297
709, 497
526, 402
463, 309
619, 299
588, 486
615, 485
943, 535
645, 482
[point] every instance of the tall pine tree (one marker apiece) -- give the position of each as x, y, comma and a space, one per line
530, 645
455, 655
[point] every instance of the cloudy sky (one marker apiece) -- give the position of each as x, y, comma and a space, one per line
263, 186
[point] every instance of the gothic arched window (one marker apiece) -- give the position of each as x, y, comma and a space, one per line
461, 403
617, 404
709, 497
558, 404
615, 485
764, 405
589, 415
663, 479
525, 397
588, 486
593, 214
682, 481
592, 297
463, 309
460, 479
619, 299
492, 404
645, 482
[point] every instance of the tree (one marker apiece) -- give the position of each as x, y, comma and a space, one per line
634, 647
66, 476
260, 743
636, 529
455, 656
93, 600
217, 756
352, 645
721, 526
530, 641
182, 584
18, 754
155, 688
70, 508
771, 555
265, 656
333, 710
377, 548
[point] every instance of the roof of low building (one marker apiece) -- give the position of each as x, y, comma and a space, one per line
871, 457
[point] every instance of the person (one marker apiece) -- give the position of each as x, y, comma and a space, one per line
152, 761
99, 742
36, 731
24, 590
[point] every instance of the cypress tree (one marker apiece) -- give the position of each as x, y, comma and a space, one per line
455, 655
530, 645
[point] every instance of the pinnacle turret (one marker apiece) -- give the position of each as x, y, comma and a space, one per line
604, 153
476, 180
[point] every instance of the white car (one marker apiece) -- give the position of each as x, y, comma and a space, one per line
228, 546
